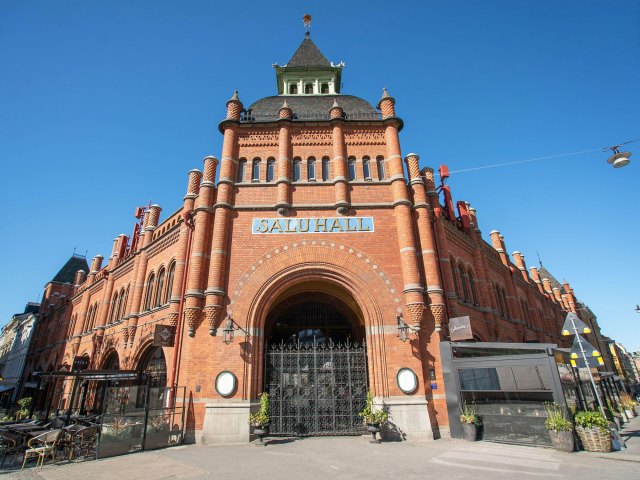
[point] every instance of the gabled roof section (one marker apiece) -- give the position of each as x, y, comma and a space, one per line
308, 55
68, 271
544, 273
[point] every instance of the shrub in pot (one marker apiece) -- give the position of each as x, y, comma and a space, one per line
628, 404
373, 418
260, 420
470, 422
560, 428
593, 431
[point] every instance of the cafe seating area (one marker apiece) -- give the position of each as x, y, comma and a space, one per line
64, 438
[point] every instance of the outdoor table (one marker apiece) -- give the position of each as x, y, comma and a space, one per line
23, 428
73, 428
35, 433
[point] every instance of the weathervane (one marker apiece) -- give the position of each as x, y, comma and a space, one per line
306, 19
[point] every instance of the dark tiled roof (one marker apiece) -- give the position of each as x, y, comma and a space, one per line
32, 307
68, 271
307, 106
544, 273
308, 55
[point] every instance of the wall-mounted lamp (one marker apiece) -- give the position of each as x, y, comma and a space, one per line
229, 329
404, 330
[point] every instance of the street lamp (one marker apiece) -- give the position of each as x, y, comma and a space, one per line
404, 329
619, 159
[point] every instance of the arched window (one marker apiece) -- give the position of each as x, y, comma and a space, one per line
296, 169
472, 285
158, 296
525, 313
89, 319
325, 169
72, 325
498, 300
94, 313
271, 169
293, 89
380, 165
352, 168
463, 283
150, 287
311, 169
121, 306
114, 308
242, 166
308, 88
255, 171
172, 272
506, 303
123, 312
324, 88
366, 168
456, 285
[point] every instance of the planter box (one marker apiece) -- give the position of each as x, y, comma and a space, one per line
562, 441
469, 432
594, 439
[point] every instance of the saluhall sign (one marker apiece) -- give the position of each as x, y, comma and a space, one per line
312, 225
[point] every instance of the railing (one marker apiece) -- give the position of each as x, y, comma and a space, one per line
250, 116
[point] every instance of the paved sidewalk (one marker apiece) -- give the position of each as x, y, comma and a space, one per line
354, 458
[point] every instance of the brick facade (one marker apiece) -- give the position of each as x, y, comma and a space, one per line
202, 264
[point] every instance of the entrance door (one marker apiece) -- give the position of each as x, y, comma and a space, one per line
316, 368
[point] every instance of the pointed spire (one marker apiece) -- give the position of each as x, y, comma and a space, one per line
235, 97
386, 104
285, 111
385, 94
336, 111
335, 103
285, 105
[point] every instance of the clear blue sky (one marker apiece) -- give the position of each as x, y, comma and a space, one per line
107, 105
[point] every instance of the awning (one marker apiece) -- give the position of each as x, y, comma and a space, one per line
4, 388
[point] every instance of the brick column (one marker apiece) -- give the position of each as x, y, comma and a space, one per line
151, 222
429, 254
215, 291
441, 239
342, 202
412, 288
283, 182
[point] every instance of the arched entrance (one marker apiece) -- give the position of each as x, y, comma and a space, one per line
315, 362
153, 367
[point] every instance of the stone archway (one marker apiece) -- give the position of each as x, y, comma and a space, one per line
334, 268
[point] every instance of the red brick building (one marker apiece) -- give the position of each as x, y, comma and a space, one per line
311, 234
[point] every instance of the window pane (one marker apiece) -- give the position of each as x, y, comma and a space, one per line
365, 169
325, 169
241, 168
308, 88
380, 163
270, 170
311, 170
256, 171
296, 171
352, 169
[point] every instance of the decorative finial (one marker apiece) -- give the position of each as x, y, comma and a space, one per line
306, 19
235, 96
335, 103
285, 105
385, 94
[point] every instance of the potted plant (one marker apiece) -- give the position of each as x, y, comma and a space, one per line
373, 417
260, 420
593, 431
628, 404
559, 427
470, 421
25, 407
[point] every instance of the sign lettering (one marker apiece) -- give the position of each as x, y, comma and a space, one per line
311, 225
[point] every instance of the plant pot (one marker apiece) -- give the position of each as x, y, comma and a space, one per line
616, 420
594, 439
636, 409
373, 429
628, 413
261, 431
562, 441
469, 432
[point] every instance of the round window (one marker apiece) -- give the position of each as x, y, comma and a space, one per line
226, 383
407, 380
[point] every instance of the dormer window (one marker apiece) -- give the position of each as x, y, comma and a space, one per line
293, 89
324, 88
308, 89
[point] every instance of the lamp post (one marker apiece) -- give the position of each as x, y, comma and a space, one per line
619, 159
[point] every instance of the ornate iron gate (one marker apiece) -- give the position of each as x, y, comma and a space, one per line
316, 389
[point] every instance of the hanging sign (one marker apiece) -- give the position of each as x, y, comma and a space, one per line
594, 357
164, 336
571, 320
311, 225
460, 329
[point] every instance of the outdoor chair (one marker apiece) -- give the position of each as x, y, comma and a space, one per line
10, 445
42, 446
84, 440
